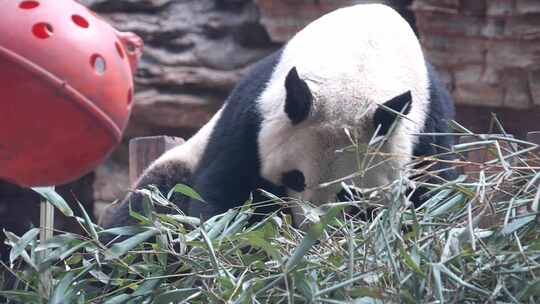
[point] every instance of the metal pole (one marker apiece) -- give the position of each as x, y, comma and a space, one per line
46, 219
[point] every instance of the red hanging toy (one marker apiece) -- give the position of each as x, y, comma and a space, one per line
66, 89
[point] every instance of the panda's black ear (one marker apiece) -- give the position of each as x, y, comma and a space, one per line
385, 117
299, 98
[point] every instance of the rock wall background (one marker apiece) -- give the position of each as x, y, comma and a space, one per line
489, 50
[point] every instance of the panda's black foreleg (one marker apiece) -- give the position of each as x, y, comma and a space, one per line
164, 176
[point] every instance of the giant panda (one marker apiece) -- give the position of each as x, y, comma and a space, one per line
281, 126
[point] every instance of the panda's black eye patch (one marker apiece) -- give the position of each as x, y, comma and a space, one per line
294, 180
385, 118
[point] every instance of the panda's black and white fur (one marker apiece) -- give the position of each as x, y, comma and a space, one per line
280, 127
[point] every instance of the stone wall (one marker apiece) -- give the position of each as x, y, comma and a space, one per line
488, 50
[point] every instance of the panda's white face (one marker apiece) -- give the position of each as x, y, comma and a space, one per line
307, 148
301, 156
316, 159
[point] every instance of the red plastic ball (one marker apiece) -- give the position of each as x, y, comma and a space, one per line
66, 90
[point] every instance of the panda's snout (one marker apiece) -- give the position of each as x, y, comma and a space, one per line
294, 180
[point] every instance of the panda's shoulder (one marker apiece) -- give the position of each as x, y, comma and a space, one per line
439, 112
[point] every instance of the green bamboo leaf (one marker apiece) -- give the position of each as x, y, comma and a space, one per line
125, 230
27, 297
185, 190
63, 292
314, 233
257, 240
452, 202
55, 199
437, 284
88, 223
57, 241
21, 244
122, 248
516, 224
367, 300
460, 281
410, 262
173, 295
148, 286
359, 292
118, 299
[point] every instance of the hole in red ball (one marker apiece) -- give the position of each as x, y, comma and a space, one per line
130, 96
98, 64
130, 47
42, 30
119, 49
80, 21
28, 4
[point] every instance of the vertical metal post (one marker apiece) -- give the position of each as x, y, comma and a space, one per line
46, 219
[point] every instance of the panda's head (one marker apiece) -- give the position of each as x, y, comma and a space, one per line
298, 143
